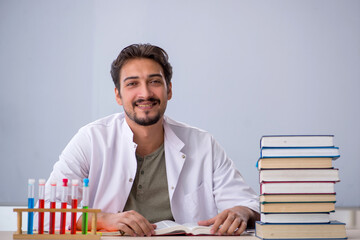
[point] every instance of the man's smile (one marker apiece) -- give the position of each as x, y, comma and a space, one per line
146, 104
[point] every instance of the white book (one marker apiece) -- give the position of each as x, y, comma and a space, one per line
275, 175
297, 141
297, 187
295, 217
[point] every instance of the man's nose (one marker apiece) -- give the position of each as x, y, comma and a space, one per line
145, 91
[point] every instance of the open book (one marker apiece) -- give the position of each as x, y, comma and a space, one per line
170, 227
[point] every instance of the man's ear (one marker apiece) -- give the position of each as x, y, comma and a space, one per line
117, 97
169, 91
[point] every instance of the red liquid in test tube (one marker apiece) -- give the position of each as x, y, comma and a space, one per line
41, 205
64, 198
52, 206
74, 203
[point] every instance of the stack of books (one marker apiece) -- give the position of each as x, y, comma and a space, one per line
297, 188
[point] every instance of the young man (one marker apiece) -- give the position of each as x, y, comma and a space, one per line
144, 167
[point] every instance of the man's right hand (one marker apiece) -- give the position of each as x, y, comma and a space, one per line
130, 222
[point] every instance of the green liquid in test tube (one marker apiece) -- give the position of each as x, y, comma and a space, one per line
85, 204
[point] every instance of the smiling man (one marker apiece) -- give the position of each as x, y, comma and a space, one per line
145, 167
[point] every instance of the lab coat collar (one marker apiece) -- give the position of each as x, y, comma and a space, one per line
170, 137
127, 132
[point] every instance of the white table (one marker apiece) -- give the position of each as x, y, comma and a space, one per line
351, 233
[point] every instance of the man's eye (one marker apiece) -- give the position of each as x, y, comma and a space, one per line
130, 84
155, 82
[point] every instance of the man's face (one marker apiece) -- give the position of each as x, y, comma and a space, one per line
143, 91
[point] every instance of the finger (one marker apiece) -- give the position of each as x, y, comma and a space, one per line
227, 224
207, 222
234, 226
134, 221
134, 226
220, 218
242, 228
126, 229
146, 227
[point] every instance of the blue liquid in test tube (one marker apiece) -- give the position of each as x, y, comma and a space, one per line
31, 186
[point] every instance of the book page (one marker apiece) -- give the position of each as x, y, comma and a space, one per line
165, 224
195, 229
171, 227
191, 226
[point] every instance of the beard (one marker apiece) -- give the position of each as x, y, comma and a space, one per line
147, 120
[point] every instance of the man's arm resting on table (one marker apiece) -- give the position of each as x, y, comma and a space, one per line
130, 222
232, 221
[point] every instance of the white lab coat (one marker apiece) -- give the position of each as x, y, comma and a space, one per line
202, 180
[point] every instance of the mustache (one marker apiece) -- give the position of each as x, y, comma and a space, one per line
153, 100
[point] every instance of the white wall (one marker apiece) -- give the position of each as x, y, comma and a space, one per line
8, 220
242, 69
45, 87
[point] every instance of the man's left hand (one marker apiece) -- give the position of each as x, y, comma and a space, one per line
232, 221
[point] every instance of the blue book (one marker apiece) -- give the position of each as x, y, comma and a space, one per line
296, 152
332, 230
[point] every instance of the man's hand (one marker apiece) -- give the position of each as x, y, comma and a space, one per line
232, 221
131, 223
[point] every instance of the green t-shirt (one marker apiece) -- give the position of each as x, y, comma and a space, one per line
149, 194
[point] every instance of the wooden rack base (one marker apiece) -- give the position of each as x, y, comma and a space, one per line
66, 236
19, 234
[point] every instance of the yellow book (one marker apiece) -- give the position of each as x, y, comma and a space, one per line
297, 207
332, 230
266, 163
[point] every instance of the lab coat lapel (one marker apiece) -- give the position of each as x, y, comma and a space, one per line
127, 154
174, 158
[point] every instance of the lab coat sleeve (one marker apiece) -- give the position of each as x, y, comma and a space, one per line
73, 163
229, 187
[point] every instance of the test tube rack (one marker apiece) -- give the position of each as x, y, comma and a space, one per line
67, 236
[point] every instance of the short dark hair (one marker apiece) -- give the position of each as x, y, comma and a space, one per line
141, 51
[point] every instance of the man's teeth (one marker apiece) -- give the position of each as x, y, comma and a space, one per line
145, 105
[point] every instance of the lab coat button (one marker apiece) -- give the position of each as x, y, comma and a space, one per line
183, 156
130, 179
172, 188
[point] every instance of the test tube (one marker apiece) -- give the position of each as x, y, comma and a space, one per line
64, 198
52, 206
41, 205
85, 204
74, 203
31, 188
